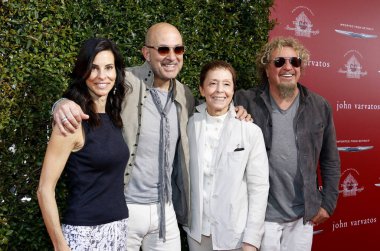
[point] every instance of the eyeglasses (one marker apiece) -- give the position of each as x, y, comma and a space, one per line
164, 50
294, 61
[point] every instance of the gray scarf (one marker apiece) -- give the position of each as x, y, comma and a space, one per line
165, 189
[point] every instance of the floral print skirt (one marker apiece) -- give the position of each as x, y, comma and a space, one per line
108, 237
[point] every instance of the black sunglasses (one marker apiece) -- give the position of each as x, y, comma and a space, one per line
164, 50
294, 61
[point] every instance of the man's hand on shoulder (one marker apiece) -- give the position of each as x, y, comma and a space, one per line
242, 114
68, 115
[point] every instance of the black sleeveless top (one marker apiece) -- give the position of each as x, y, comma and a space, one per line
95, 177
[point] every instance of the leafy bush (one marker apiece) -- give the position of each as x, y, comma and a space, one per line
39, 41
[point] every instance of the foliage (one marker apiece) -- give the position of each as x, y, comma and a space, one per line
39, 40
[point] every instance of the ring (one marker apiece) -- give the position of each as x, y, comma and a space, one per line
64, 119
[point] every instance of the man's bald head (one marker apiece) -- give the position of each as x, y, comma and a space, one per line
156, 31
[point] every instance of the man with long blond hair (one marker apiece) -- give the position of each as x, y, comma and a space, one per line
299, 134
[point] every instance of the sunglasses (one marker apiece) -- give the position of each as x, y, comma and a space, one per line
165, 50
294, 61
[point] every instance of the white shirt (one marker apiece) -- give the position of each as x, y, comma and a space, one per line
214, 126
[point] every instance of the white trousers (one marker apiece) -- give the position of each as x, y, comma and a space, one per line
289, 236
143, 228
205, 245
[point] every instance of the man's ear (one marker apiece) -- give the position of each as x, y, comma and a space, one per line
146, 53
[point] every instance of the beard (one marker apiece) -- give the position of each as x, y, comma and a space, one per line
287, 90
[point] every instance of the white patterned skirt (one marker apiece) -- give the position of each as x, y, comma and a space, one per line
108, 237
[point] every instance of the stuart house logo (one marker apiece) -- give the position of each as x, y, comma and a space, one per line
350, 185
353, 68
303, 26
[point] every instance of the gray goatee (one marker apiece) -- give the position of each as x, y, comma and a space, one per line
286, 90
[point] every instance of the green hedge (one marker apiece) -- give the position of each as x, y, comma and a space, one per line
38, 44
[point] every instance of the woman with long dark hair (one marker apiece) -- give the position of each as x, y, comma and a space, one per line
94, 157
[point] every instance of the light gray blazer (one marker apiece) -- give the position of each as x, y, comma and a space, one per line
241, 182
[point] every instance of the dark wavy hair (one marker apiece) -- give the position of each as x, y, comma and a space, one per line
78, 90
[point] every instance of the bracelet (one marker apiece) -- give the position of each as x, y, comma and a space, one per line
55, 104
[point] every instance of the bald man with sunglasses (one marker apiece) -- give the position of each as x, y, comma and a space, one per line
299, 134
155, 116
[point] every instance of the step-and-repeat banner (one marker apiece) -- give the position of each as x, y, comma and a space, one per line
344, 40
